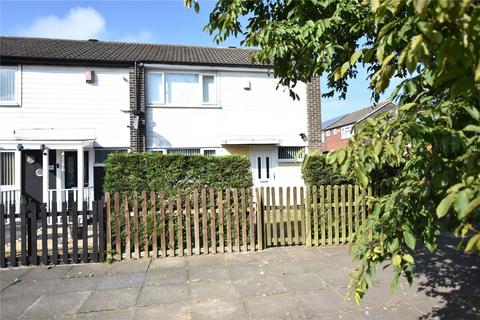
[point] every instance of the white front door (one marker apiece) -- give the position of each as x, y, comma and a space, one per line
264, 165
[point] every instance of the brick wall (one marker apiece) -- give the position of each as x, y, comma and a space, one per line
314, 115
137, 137
334, 141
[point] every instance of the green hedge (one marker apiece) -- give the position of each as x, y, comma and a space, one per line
316, 171
175, 173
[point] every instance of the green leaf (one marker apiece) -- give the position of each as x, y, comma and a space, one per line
377, 148
355, 56
472, 128
341, 156
419, 5
362, 177
477, 72
344, 69
407, 257
472, 243
407, 106
409, 239
461, 203
471, 206
375, 4
444, 205
396, 260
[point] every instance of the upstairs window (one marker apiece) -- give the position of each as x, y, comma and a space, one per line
346, 132
9, 86
179, 89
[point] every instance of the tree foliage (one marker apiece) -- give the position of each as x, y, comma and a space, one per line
433, 144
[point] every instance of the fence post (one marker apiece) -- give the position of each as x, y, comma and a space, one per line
101, 229
308, 226
13, 237
3, 263
259, 220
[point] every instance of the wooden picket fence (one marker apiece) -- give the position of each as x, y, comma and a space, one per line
144, 225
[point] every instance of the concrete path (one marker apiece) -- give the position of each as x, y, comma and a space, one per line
279, 283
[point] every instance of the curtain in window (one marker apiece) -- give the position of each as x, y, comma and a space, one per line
7, 168
7, 84
155, 88
181, 89
209, 89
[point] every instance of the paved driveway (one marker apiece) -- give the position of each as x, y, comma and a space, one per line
279, 283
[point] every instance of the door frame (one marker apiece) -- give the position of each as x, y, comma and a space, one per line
263, 152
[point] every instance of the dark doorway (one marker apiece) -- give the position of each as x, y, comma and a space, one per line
32, 186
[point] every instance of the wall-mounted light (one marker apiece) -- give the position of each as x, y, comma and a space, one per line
19, 147
90, 76
44, 149
248, 87
303, 136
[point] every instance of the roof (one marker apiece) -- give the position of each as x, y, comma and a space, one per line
109, 52
359, 115
331, 121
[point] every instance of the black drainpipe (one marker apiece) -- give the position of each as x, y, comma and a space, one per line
138, 110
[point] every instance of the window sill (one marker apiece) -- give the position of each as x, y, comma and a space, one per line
163, 106
9, 105
290, 160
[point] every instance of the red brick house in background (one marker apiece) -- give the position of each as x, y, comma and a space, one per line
337, 131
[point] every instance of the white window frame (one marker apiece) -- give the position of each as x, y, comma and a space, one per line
214, 84
346, 132
327, 133
335, 131
291, 159
163, 98
17, 102
162, 91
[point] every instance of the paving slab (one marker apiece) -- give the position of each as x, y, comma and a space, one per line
210, 273
173, 311
168, 263
163, 277
168, 294
273, 307
105, 315
209, 291
110, 300
122, 280
262, 286
11, 275
302, 282
129, 266
46, 273
53, 305
12, 307
87, 270
224, 308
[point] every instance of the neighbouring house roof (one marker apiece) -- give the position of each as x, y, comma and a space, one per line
108, 52
327, 123
359, 115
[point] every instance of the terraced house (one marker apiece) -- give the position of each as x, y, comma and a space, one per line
65, 105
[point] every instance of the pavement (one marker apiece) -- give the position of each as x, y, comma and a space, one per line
277, 283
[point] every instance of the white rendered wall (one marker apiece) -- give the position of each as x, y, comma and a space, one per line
58, 97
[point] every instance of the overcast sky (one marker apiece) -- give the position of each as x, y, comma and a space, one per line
138, 21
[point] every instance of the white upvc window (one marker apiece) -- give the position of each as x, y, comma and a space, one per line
327, 133
181, 89
7, 168
155, 88
346, 132
10, 86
